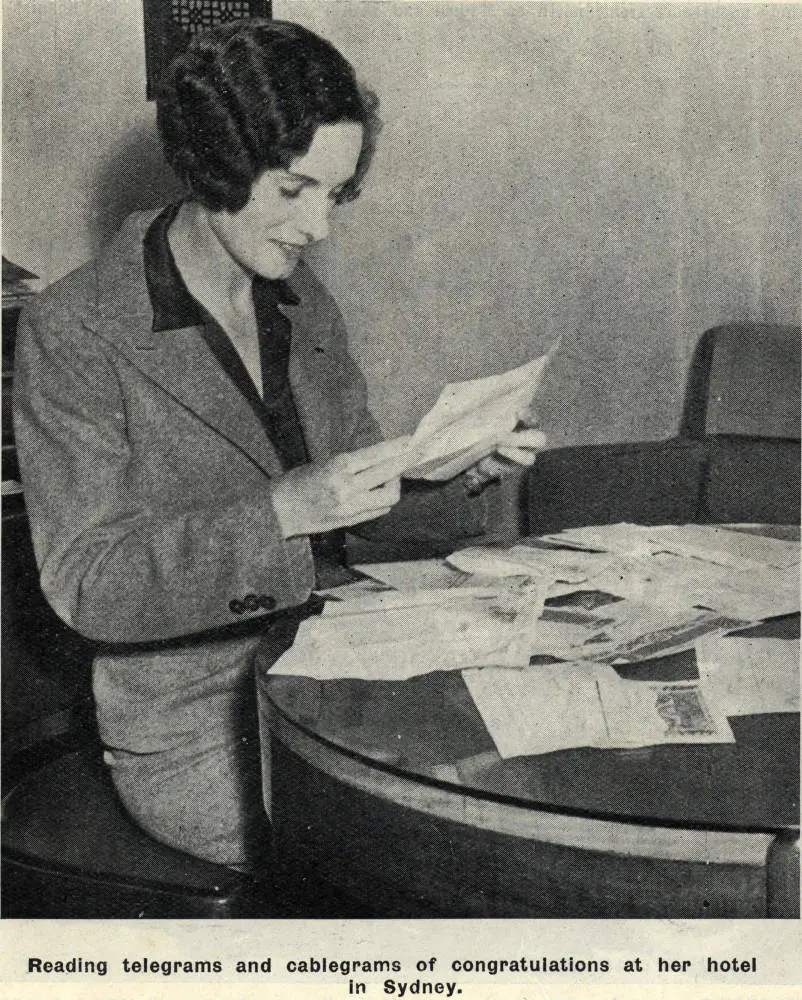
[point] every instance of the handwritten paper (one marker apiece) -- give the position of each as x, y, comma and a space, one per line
750, 676
469, 418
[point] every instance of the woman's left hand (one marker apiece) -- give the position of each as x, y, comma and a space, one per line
518, 448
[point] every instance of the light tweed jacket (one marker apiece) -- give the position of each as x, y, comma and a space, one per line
146, 476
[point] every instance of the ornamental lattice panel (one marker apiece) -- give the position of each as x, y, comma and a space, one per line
169, 25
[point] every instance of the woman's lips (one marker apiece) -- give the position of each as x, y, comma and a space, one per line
289, 249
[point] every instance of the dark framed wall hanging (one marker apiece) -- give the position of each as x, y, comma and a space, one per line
169, 25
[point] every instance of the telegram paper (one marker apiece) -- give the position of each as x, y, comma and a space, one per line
467, 420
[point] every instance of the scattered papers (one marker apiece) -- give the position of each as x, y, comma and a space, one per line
740, 575
631, 632
708, 542
623, 538
665, 580
524, 560
736, 549
750, 676
559, 706
592, 598
467, 420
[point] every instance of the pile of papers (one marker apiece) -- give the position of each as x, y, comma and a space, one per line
538, 628
549, 707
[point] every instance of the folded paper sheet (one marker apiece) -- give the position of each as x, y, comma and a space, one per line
397, 636
467, 420
585, 591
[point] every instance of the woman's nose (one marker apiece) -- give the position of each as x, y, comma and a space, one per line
314, 218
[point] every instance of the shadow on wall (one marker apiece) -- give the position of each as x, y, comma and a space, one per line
134, 177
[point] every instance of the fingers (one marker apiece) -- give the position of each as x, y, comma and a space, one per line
384, 451
521, 456
523, 439
353, 491
318, 497
497, 466
355, 502
378, 475
378, 463
482, 473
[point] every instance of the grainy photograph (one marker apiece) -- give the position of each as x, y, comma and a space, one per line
401, 468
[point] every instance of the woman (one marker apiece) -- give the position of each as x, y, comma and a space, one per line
194, 436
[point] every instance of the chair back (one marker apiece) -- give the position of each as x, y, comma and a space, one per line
743, 402
46, 666
744, 380
736, 458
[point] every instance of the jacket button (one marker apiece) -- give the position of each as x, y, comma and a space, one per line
251, 602
266, 602
236, 607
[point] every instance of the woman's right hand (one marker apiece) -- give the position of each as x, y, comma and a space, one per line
344, 490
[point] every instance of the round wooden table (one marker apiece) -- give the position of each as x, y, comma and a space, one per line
394, 792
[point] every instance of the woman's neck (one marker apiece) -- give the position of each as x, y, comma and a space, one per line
210, 273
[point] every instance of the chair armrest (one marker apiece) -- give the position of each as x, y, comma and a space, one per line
751, 479
651, 482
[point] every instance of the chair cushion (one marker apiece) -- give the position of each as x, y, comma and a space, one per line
67, 815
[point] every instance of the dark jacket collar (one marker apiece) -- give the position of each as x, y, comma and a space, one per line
173, 305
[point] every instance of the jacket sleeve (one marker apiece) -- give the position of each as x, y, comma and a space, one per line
112, 565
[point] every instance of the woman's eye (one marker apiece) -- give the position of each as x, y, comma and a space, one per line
290, 193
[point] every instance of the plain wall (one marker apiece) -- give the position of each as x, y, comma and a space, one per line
621, 176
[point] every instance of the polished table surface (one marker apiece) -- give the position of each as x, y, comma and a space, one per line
428, 730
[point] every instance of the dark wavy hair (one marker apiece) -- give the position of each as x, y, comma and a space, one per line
248, 96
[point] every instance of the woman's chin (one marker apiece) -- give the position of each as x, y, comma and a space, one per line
277, 270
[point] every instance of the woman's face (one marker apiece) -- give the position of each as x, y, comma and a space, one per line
289, 209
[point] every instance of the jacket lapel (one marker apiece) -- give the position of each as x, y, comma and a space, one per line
178, 361
310, 391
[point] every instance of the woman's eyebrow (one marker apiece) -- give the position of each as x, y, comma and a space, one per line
314, 182
303, 178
